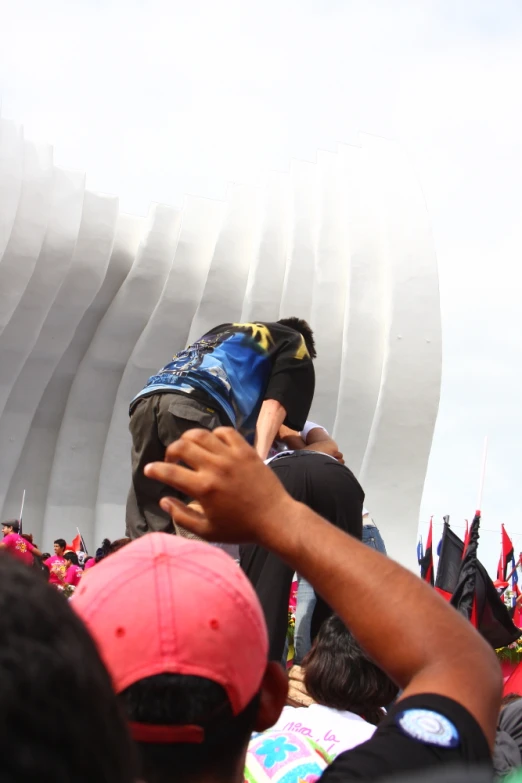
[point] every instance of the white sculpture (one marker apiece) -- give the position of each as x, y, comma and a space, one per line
93, 301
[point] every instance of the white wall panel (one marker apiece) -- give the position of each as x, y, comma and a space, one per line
267, 270
11, 175
21, 333
28, 230
365, 312
93, 302
76, 295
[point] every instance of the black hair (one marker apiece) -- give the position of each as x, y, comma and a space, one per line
508, 699
339, 674
46, 654
103, 550
14, 523
72, 557
62, 543
46, 555
174, 699
118, 544
301, 326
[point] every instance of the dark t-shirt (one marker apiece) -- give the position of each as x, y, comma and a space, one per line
239, 366
418, 732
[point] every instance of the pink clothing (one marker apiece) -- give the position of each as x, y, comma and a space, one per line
57, 569
73, 575
19, 547
89, 563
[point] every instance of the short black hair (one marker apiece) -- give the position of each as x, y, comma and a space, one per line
174, 699
14, 523
301, 326
48, 654
72, 557
340, 675
62, 543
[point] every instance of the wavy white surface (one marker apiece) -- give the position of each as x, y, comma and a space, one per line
93, 301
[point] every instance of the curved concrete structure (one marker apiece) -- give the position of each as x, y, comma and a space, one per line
93, 301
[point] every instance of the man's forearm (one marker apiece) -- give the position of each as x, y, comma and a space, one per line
271, 417
351, 576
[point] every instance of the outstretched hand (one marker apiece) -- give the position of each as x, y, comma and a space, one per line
242, 499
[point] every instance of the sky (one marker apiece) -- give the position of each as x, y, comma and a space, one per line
155, 99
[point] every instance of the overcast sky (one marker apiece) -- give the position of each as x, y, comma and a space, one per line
156, 99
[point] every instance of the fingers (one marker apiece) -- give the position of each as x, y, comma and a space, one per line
186, 516
197, 445
183, 479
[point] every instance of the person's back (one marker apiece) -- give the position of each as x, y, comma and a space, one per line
232, 364
47, 658
253, 376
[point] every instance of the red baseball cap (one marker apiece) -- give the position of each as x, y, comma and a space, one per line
166, 604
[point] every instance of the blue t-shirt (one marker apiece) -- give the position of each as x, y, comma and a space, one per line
239, 366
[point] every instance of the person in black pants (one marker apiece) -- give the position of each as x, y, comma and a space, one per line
331, 490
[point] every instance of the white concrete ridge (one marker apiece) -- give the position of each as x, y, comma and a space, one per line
92, 302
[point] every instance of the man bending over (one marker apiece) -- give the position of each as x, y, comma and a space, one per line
253, 376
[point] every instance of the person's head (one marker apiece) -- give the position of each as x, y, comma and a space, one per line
339, 674
187, 655
10, 526
118, 544
46, 655
103, 550
71, 558
301, 326
46, 555
508, 699
60, 546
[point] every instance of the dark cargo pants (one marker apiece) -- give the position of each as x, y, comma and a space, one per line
155, 423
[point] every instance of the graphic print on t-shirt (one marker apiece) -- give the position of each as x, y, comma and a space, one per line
240, 365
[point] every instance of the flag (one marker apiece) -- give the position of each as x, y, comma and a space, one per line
513, 684
466, 536
426, 562
449, 562
83, 546
420, 551
476, 598
76, 543
507, 556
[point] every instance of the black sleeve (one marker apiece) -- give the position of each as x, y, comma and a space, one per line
418, 732
292, 382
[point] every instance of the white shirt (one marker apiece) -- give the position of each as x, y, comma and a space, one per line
333, 730
281, 448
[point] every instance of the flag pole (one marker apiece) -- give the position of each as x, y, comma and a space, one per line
482, 476
508, 577
84, 547
22, 511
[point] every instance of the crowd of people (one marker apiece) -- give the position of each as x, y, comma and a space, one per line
168, 663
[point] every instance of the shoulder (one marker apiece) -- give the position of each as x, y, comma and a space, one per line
418, 732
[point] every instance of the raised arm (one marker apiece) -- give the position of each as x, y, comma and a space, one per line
271, 417
408, 629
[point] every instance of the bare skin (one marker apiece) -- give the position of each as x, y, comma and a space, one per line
271, 417
316, 440
243, 501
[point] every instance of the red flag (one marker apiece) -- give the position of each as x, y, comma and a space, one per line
76, 544
513, 684
507, 556
477, 599
449, 563
466, 538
